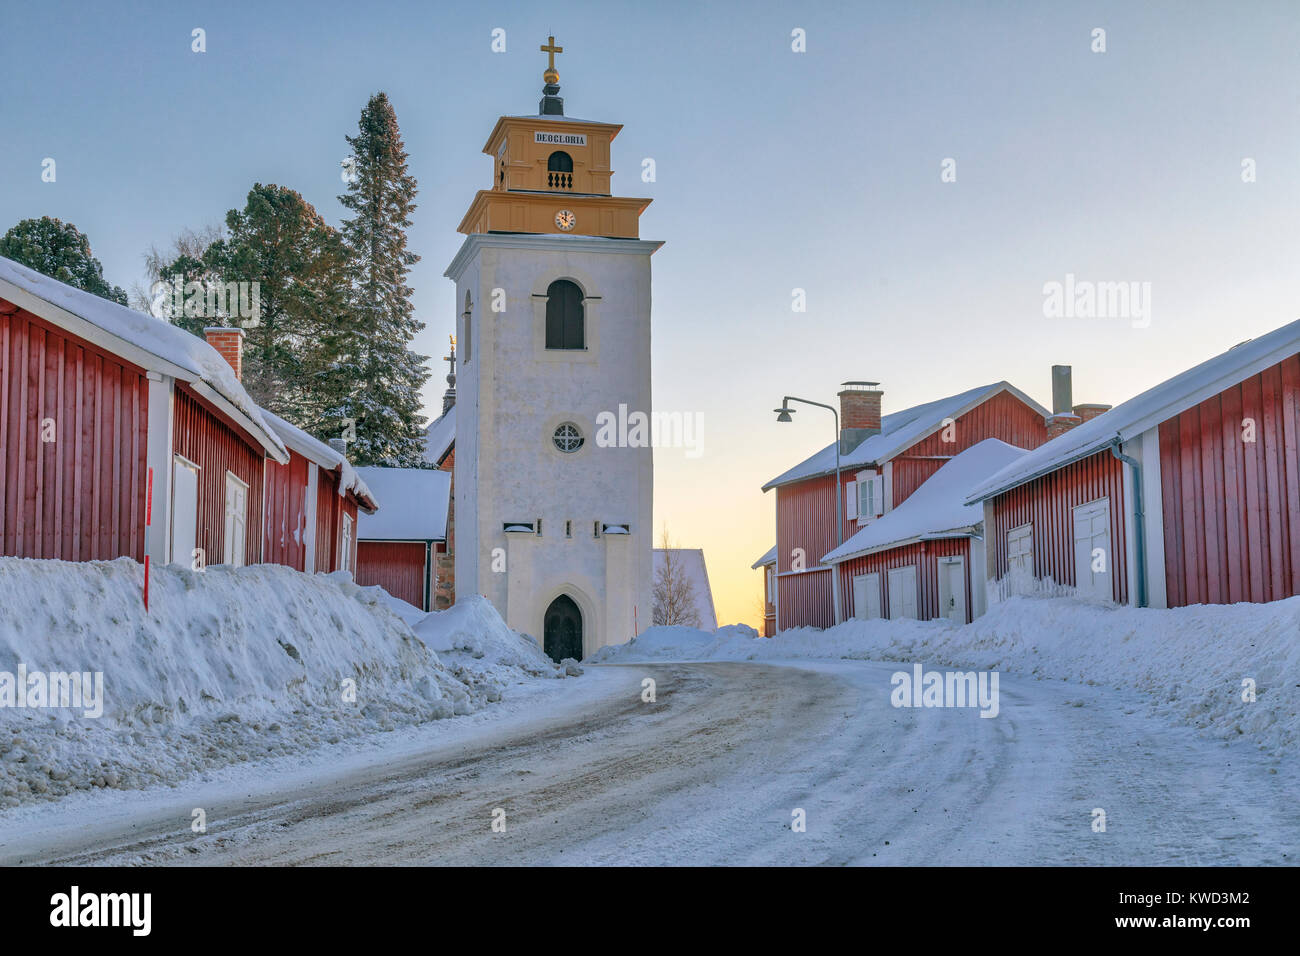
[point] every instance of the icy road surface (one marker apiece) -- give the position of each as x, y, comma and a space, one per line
710, 773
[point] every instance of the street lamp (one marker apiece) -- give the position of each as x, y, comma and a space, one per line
783, 415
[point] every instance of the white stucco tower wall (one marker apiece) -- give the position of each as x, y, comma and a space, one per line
512, 394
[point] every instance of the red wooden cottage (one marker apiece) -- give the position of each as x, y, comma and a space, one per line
925, 558
883, 461
93, 398
399, 546
312, 504
1187, 494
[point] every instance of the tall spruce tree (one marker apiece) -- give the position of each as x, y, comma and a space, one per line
61, 251
384, 375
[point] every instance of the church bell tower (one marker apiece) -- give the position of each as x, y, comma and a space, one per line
553, 293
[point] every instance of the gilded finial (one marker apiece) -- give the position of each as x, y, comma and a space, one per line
551, 76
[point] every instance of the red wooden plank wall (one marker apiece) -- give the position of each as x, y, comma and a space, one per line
1046, 503
399, 568
206, 437
81, 496
286, 512
1003, 416
1231, 507
328, 523
806, 599
923, 554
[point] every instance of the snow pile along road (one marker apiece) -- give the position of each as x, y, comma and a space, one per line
228, 665
1191, 661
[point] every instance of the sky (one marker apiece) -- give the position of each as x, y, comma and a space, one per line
1170, 160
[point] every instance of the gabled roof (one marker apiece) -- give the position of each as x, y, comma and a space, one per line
150, 343
415, 504
938, 508
315, 450
1130, 419
769, 557
900, 431
439, 436
691, 561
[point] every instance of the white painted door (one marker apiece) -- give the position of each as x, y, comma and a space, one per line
1020, 549
236, 520
866, 596
345, 560
1092, 549
952, 589
902, 592
185, 510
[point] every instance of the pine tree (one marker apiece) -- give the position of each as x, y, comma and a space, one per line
60, 251
299, 265
384, 375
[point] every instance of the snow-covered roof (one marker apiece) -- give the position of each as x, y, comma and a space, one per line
938, 508
415, 507
691, 561
1130, 419
769, 557
439, 436
153, 344
313, 449
900, 431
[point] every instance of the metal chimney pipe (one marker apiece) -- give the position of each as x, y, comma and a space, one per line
1062, 390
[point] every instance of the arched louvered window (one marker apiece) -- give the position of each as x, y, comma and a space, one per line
559, 162
565, 319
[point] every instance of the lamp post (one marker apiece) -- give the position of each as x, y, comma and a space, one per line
783, 415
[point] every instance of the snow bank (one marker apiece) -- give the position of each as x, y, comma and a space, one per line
1190, 662
228, 665
471, 634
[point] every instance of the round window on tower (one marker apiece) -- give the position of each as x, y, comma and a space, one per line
567, 438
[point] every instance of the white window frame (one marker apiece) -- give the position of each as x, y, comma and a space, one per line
234, 556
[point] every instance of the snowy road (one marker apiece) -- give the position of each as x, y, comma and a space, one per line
711, 772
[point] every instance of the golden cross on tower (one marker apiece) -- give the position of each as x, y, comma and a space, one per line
550, 49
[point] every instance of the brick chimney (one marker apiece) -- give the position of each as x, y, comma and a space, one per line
859, 413
230, 343
1065, 414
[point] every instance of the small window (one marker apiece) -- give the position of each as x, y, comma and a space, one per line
559, 162
539, 527
468, 314
595, 531
565, 316
568, 529
568, 438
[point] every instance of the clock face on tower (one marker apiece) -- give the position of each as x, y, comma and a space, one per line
565, 219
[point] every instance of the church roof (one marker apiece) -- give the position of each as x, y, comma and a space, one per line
415, 502
439, 436
900, 431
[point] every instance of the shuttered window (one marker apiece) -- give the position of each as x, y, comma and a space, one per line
565, 317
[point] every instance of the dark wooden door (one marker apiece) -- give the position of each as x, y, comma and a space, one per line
563, 629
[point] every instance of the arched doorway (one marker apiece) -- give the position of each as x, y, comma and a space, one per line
562, 629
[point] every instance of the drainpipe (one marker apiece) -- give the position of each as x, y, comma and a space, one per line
1139, 518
